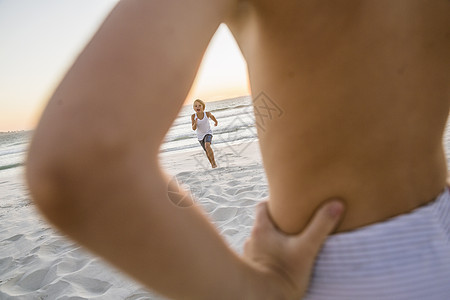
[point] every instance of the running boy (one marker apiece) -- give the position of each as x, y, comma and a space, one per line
200, 123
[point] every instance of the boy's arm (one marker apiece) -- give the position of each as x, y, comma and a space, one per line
194, 122
213, 118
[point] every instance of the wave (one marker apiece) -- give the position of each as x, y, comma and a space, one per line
220, 114
11, 166
230, 108
4, 152
232, 125
215, 106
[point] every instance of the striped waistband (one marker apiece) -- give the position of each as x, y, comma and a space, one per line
406, 257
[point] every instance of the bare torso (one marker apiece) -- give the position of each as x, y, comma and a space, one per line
364, 91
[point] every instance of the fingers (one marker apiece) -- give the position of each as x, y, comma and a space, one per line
290, 258
323, 223
265, 233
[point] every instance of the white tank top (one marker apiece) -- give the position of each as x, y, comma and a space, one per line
203, 127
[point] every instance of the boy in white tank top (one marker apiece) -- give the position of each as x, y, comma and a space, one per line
200, 123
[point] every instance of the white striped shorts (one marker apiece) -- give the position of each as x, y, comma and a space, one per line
403, 258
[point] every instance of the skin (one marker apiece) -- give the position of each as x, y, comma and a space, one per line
363, 87
199, 110
364, 90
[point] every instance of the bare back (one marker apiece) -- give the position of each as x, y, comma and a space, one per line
364, 91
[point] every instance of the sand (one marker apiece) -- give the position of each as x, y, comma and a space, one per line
37, 262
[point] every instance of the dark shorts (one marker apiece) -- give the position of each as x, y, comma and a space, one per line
206, 139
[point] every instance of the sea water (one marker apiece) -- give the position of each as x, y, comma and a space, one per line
13, 147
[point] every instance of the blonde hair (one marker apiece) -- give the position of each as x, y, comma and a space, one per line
201, 102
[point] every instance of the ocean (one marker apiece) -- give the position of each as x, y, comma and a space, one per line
13, 147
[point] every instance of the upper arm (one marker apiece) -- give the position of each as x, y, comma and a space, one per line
210, 115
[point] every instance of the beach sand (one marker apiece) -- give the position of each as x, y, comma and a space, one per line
37, 262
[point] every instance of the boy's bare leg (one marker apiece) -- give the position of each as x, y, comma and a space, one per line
210, 154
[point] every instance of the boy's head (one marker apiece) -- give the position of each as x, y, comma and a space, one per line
199, 105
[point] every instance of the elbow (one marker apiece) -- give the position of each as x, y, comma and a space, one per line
47, 185
72, 172
69, 179
48, 197
64, 175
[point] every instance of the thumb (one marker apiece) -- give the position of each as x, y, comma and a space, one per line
323, 223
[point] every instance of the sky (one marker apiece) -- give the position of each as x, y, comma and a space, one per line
40, 39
